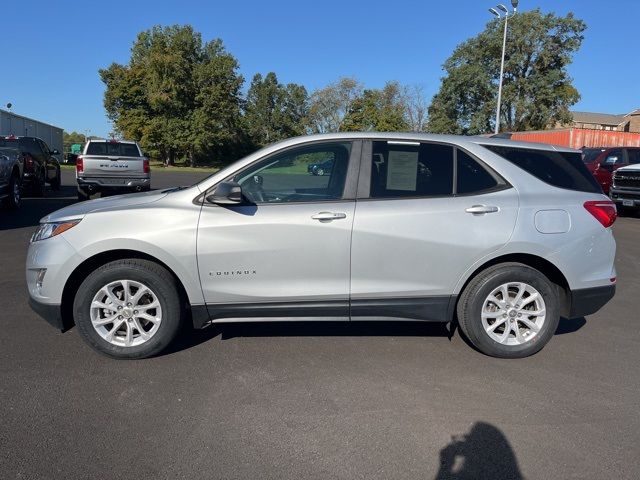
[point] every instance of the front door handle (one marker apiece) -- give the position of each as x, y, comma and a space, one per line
328, 216
482, 209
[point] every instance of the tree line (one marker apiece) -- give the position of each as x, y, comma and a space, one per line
182, 98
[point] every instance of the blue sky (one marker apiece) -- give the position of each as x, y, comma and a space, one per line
52, 50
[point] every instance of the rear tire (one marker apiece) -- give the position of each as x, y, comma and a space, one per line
39, 187
12, 201
138, 329
56, 183
497, 327
82, 195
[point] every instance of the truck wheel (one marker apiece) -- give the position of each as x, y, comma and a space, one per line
509, 311
56, 182
82, 195
12, 200
128, 309
39, 187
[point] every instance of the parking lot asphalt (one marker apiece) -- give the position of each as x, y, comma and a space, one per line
361, 400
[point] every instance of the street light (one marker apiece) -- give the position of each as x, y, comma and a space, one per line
505, 10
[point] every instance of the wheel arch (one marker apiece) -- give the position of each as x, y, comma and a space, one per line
90, 264
544, 266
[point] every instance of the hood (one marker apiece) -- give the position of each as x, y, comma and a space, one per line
630, 168
79, 210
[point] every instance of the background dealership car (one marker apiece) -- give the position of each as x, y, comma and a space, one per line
504, 236
111, 166
11, 168
602, 162
320, 169
625, 190
40, 165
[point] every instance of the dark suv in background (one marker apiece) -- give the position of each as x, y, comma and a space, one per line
40, 165
602, 162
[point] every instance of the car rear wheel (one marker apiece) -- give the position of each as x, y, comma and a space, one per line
56, 182
82, 195
13, 192
39, 186
509, 311
128, 309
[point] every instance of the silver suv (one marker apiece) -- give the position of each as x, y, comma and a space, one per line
503, 237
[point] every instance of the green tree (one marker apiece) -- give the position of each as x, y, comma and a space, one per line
329, 105
380, 110
537, 90
274, 111
69, 139
177, 96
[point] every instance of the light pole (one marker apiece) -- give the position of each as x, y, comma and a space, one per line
495, 12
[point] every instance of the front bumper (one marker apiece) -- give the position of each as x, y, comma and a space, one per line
587, 301
52, 313
627, 197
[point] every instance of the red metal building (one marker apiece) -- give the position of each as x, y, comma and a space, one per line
579, 137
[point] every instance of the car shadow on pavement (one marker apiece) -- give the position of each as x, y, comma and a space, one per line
483, 453
32, 209
191, 338
570, 325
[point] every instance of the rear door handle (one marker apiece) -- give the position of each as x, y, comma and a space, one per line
328, 216
482, 209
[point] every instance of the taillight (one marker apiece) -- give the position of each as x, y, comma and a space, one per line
146, 168
79, 164
28, 162
603, 210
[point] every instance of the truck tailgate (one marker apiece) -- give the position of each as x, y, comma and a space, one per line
109, 166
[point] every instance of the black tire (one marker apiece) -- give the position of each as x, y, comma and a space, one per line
82, 195
158, 279
11, 201
39, 187
56, 183
471, 302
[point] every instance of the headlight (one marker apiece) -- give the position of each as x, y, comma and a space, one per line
48, 230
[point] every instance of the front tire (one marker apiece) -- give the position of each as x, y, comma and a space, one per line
509, 310
128, 309
39, 187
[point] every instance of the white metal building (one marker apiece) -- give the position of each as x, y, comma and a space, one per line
12, 124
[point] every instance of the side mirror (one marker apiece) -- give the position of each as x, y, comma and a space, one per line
55, 152
226, 193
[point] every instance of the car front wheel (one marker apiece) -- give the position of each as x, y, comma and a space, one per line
509, 311
128, 309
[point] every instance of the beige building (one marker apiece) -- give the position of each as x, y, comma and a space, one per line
605, 121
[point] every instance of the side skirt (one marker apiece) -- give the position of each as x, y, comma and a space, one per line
425, 309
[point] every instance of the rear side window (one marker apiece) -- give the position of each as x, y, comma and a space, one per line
472, 177
407, 169
113, 148
560, 169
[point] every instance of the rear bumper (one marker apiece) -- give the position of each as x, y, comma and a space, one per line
587, 301
96, 183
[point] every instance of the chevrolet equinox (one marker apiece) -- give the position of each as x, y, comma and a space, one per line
502, 237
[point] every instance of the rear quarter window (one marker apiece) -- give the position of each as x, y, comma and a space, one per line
560, 169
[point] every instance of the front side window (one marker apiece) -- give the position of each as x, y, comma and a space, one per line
411, 169
305, 174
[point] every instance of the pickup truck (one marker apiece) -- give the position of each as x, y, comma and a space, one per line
11, 170
111, 166
625, 189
